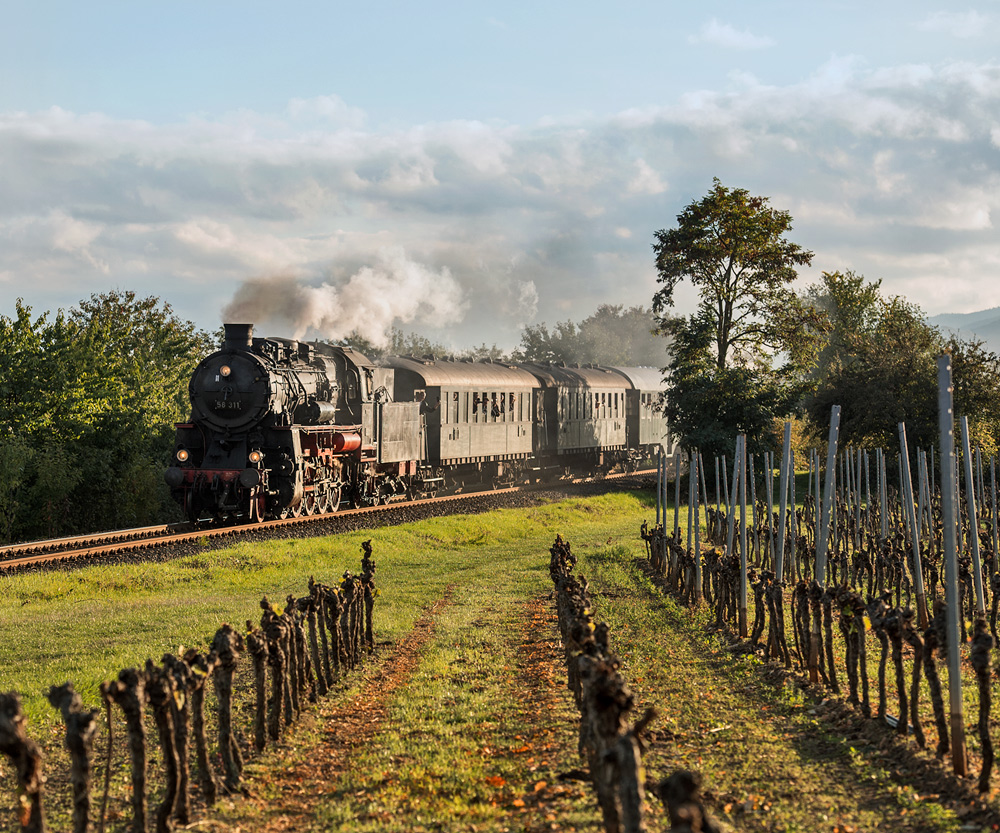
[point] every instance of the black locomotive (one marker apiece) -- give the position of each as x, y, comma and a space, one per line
281, 427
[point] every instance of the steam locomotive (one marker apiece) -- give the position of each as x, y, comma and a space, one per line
284, 428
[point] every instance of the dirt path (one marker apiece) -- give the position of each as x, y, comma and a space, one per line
551, 741
539, 742
292, 791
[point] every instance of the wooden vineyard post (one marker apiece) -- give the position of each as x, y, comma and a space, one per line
754, 521
741, 455
949, 519
677, 497
970, 502
993, 514
822, 537
692, 473
793, 520
823, 533
785, 469
883, 498
731, 501
911, 520
696, 466
659, 482
718, 498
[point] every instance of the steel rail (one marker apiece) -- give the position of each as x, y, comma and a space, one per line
85, 547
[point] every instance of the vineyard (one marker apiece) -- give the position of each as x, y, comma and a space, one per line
471, 711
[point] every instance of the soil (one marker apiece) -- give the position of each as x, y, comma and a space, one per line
345, 727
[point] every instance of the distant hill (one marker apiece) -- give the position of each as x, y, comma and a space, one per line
984, 324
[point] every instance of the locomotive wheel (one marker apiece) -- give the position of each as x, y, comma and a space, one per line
323, 502
333, 499
189, 510
309, 503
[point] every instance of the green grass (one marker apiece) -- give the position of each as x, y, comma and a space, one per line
759, 746
470, 741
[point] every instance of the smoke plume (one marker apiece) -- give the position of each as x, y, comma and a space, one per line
395, 289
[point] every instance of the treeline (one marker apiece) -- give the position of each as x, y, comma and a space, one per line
756, 351
614, 335
88, 402
89, 397
878, 361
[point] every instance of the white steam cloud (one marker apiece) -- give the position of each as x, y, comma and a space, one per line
394, 290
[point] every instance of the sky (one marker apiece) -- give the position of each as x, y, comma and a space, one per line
466, 169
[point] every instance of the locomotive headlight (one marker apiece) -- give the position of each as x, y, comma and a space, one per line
225, 370
182, 455
256, 456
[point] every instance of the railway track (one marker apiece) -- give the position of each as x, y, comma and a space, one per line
86, 548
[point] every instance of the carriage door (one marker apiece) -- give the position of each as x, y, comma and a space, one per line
541, 439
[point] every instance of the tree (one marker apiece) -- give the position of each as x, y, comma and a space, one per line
731, 247
706, 406
976, 380
400, 344
88, 402
879, 363
613, 335
539, 344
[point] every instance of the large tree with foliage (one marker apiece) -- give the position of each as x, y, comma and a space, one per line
88, 400
731, 246
879, 363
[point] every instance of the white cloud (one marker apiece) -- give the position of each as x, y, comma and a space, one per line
968, 24
887, 170
331, 109
646, 180
714, 33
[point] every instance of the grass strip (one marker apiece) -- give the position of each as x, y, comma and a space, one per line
770, 762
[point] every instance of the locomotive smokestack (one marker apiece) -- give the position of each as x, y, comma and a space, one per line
238, 336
